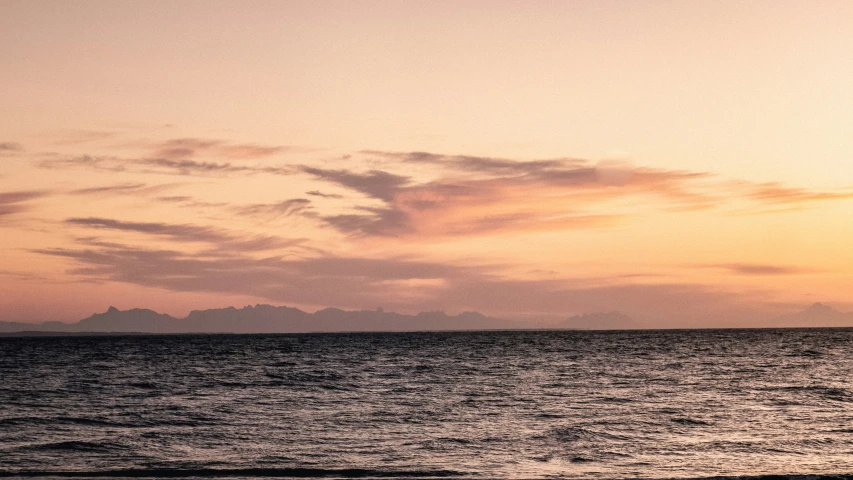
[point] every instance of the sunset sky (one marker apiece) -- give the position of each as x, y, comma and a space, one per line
686, 163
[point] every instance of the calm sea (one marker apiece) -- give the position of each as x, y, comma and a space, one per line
537, 404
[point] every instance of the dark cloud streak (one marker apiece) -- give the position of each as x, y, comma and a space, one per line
485, 165
10, 147
285, 208
161, 166
317, 193
761, 270
776, 193
188, 147
188, 233
120, 188
14, 202
381, 222
375, 183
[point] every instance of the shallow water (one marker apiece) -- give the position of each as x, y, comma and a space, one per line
654, 404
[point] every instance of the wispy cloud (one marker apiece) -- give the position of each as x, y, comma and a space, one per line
471, 195
328, 281
221, 239
400, 283
285, 208
181, 232
488, 165
162, 166
175, 199
317, 193
14, 202
183, 147
761, 270
139, 189
190, 167
108, 189
375, 183
92, 162
10, 147
192, 202
178, 148
778, 194
535, 196
374, 221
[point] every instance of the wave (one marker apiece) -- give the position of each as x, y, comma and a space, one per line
689, 421
806, 353
236, 472
573, 434
78, 446
143, 385
830, 393
85, 421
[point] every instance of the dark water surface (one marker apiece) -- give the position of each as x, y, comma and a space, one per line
484, 404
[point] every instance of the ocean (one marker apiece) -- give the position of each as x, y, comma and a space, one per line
496, 404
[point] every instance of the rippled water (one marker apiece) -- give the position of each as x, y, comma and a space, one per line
484, 404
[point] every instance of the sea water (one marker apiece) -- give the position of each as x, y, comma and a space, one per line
510, 404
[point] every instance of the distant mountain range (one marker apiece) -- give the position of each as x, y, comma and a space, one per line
272, 319
264, 319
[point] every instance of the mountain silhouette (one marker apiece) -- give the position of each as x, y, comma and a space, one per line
264, 319
817, 315
282, 319
115, 320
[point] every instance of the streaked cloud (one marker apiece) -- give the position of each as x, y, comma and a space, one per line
762, 270
380, 222
141, 189
535, 196
354, 282
478, 195
175, 199
285, 208
15, 201
375, 183
778, 194
220, 238
119, 188
98, 163
10, 147
162, 166
317, 193
488, 165
188, 147
190, 167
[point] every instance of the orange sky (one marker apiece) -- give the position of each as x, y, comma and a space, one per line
686, 163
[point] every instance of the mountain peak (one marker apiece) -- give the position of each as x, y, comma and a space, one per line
817, 315
112, 309
818, 307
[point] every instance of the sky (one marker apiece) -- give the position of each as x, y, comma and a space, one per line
687, 163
